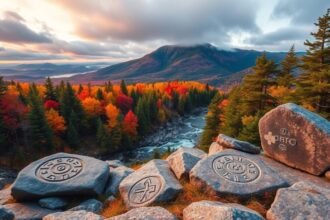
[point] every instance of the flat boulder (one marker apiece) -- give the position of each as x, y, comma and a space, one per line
233, 172
30, 211
73, 215
6, 214
229, 142
215, 148
296, 137
115, 177
89, 205
53, 203
143, 213
61, 174
301, 201
212, 210
183, 160
152, 183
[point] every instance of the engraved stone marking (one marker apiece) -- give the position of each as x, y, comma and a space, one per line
145, 190
236, 168
284, 140
59, 169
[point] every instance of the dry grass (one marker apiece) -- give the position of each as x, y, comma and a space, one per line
114, 208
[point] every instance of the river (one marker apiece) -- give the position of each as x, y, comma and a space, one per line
183, 131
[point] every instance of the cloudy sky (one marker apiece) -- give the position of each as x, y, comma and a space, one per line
116, 30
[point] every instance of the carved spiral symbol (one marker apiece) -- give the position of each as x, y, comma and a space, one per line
236, 168
59, 169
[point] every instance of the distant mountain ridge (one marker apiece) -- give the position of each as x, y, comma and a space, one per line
203, 62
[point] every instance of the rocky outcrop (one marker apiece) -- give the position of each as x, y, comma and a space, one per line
115, 177
89, 205
53, 203
73, 215
61, 174
296, 137
6, 214
183, 160
23, 211
114, 163
232, 143
215, 148
211, 210
301, 201
146, 213
232, 172
152, 183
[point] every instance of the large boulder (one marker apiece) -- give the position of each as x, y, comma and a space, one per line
61, 174
73, 215
146, 213
6, 214
183, 160
53, 203
301, 201
297, 138
89, 205
232, 172
229, 142
30, 211
215, 148
116, 176
152, 183
212, 210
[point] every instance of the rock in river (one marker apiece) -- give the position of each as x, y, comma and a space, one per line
146, 213
297, 138
229, 142
212, 210
152, 183
183, 160
232, 172
301, 201
61, 174
73, 215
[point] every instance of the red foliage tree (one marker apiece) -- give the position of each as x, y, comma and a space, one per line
124, 102
51, 104
130, 124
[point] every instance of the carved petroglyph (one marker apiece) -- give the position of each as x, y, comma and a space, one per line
59, 169
236, 168
284, 139
145, 190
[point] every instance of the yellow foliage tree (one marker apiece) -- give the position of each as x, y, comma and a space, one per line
112, 113
55, 121
92, 107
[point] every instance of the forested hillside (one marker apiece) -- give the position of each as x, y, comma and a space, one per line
36, 120
237, 114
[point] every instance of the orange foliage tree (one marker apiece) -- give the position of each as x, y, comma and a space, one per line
55, 121
92, 107
112, 113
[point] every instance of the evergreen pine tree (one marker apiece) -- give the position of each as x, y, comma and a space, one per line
40, 134
108, 86
142, 115
288, 65
250, 132
123, 87
313, 85
50, 93
72, 135
99, 94
103, 136
3, 86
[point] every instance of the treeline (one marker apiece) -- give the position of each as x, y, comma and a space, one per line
36, 120
305, 81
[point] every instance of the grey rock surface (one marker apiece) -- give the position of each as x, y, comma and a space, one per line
146, 213
5, 196
89, 205
215, 148
152, 183
53, 203
116, 175
296, 137
212, 210
28, 211
229, 142
73, 215
183, 160
6, 214
61, 174
301, 201
233, 172
114, 163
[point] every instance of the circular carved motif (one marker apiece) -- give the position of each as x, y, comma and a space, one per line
236, 168
59, 169
145, 190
